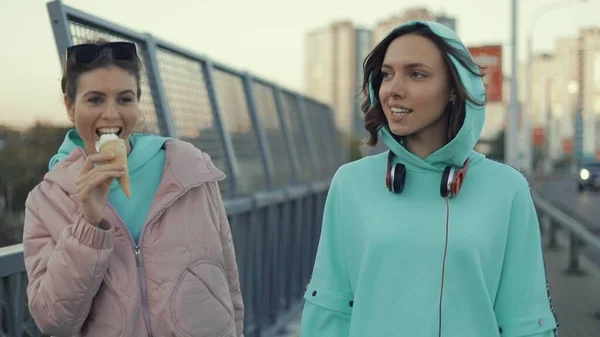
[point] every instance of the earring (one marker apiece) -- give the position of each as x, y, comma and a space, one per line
451, 108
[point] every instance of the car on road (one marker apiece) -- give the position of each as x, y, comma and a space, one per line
588, 175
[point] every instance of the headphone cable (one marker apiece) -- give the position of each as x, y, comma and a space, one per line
444, 265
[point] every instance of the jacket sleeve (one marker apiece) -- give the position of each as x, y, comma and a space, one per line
523, 306
329, 297
64, 274
231, 268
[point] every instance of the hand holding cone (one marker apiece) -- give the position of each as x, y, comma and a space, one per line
116, 146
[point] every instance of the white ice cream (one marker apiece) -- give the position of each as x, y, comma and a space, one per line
104, 139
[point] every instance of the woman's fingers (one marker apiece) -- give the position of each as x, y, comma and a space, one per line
96, 158
96, 180
97, 169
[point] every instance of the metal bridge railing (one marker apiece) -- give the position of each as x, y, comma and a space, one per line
553, 219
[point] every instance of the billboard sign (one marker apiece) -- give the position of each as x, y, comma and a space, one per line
490, 58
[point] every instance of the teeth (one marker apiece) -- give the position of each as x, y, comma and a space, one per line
108, 130
400, 110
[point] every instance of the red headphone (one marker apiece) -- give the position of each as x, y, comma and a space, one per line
452, 178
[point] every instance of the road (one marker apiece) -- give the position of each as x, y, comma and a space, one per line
584, 206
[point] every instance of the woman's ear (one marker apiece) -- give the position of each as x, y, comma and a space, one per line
70, 108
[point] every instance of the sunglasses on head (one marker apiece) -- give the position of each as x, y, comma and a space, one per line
87, 53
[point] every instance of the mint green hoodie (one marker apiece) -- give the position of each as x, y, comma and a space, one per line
145, 164
379, 263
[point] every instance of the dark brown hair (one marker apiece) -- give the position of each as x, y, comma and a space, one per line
374, 116
73, 70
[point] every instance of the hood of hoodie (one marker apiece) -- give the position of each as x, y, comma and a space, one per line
462, 146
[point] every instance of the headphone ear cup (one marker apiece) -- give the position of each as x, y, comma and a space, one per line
457, 183
388, 172
399, 177
388, 179
444, 191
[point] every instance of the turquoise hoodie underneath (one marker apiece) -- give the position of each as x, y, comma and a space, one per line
378, 269
145, 163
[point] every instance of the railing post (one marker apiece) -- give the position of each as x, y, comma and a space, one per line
256, 118
553, 242
158, 92
543, 222
313, 156
574, 250
288, 133
14, 289
61, 29
211, 90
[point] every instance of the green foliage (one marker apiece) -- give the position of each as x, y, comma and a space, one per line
498, 147
25, 156
356, 148
353, 148
11, 228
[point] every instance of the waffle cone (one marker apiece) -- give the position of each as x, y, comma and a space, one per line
118, 148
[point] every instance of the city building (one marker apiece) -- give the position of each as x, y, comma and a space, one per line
590, 88
560, 81
333, 63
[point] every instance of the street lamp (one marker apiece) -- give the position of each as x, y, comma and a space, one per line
528, 167
512, 125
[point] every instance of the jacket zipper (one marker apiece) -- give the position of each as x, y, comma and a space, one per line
139, 256
140, 271
143, 290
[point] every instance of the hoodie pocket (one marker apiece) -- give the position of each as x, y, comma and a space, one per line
106, 314
201, 304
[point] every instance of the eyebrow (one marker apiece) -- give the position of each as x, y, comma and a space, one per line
94, 92
409, 66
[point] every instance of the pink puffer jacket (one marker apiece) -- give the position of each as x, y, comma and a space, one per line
89, 281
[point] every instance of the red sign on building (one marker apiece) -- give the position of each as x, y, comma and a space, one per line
539, 136
490, 59
567, 146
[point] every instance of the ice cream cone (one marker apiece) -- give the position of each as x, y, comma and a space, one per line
117, 147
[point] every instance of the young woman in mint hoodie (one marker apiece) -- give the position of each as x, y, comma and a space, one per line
161, 263
402, 252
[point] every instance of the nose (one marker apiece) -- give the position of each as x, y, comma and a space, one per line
394, 88
111, 112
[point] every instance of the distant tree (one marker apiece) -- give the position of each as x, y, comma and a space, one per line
356, 148
25, 160
352, 146
11, 229
497, 147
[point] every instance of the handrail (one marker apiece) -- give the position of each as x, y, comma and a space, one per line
579, 235
11, 260
568, 222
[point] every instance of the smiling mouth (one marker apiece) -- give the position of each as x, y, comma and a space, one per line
104, 131
400, 111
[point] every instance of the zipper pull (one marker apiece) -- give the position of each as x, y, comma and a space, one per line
137, 255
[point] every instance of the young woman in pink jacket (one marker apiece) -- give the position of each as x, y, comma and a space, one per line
159, 262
